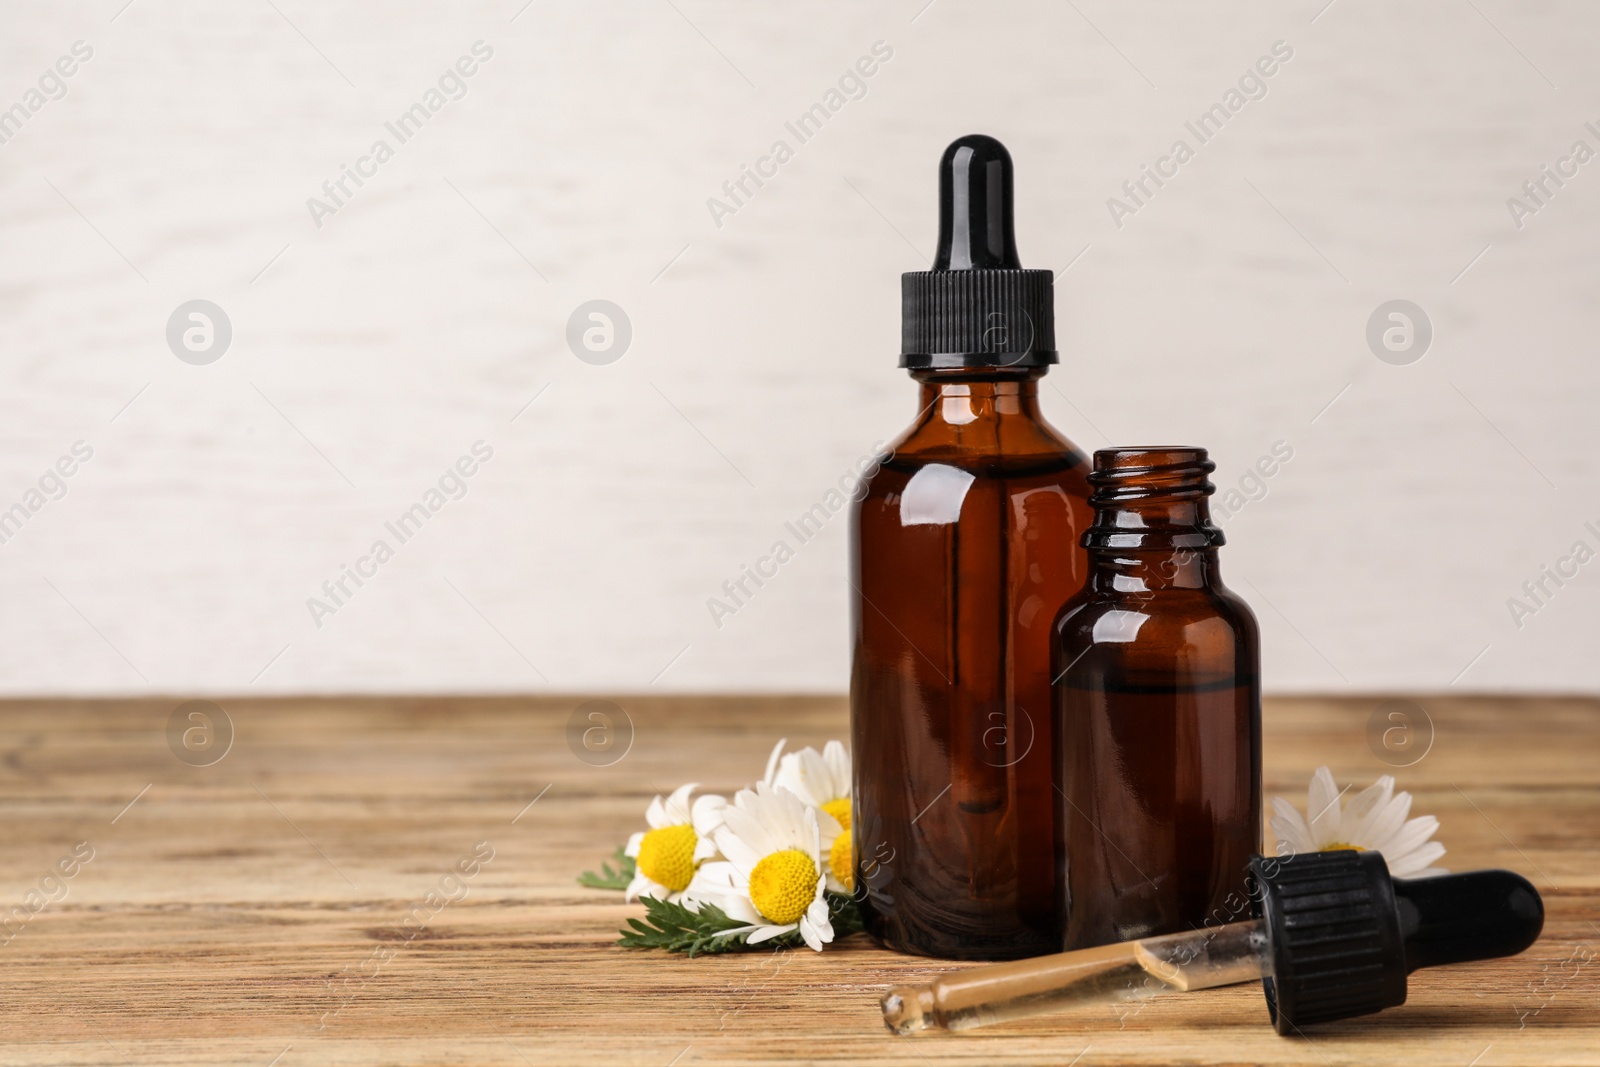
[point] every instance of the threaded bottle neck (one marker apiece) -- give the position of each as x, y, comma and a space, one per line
1152, 498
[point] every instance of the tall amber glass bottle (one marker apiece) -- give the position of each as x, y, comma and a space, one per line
1157, 711
964, 544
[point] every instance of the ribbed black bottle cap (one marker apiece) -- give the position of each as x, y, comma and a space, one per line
1343, 935
977, 307
1335, 934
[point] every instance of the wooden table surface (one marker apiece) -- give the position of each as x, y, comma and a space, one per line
254, 911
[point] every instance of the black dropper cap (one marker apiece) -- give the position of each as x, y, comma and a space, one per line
1343, 935
977, 307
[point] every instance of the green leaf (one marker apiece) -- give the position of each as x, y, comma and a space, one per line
674, 928
608, 878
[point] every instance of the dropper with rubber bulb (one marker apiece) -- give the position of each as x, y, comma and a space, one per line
1333, 936
977, 307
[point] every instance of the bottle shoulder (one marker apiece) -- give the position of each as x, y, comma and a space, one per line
1164, 616
1203, 641
896, 468
1035, 450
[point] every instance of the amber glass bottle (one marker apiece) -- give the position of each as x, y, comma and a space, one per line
964, 544
1157, 711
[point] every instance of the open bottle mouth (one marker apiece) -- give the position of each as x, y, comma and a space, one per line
1150, 472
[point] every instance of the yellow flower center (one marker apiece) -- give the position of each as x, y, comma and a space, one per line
1338, 846
839, 809
842, 860
666, 856
783, 885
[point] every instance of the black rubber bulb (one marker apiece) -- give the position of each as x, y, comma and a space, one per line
975, 227
1478, 915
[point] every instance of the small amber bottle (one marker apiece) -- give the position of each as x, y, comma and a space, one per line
1157, 712
964, 544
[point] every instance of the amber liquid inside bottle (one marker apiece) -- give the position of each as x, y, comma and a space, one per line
1157, 713
964, 545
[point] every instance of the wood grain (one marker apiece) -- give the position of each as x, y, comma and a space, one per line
257, 908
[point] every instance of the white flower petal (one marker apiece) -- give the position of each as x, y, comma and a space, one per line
656, 814
677, 805
803, 825
637, 888
807, 776
1367, 825
735, 931
1410, 838
741, 821
1415, 862
718, 873
736, 852
1290, 827
767, 933
830, 829
790, 776
1322, 810
717, 883
634, 841
735, 906
1385, 823
720, 883
775, 814
783, 815
740, 909
707, 813
648, 888
1359, 812
815, 767
772, 760
837, 757
704, 849
815, 926
812, 842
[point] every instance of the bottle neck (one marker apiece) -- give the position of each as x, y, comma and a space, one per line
1152, 525
960, 398
1121, 571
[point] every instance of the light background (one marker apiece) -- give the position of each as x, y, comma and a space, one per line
370, 353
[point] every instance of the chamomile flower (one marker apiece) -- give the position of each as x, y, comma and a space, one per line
771, 878
1375, 819
822, 779
667, 855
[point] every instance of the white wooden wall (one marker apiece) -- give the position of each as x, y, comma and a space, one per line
369, 353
